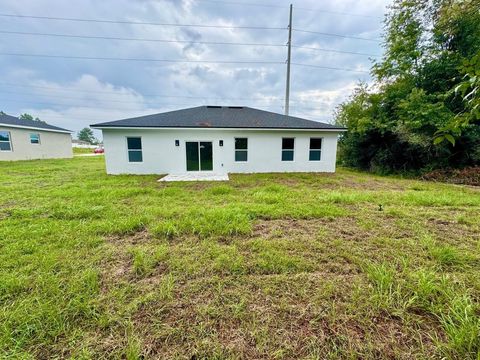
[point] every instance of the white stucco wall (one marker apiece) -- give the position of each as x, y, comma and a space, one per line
52, 145
161, 156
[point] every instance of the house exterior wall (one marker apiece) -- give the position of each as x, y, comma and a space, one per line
160, 155
52, 145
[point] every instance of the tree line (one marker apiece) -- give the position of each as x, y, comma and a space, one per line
422, 111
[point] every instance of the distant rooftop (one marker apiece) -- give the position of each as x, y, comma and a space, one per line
13, 121
220, 117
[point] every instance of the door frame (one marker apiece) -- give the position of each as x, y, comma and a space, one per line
199, 162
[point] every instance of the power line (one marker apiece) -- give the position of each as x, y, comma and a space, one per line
336, 35
243, 4
338, 13
334, 51
179, 41
86, 106
141, 22
144, 59
113, 108
204, 98
182, 25
137, 39
330, 68
180, 61
209, 98
152, 106
140, 112
286, 7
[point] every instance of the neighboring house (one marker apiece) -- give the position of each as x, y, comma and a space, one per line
28, 139
82, 144
219, 139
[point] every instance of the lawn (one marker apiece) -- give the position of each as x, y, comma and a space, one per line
81, 151
272, 266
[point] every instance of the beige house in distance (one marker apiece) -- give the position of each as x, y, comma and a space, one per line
27, 140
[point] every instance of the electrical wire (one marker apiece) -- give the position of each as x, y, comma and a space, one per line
330, 68
143, 59
336, 35
140, 22
180, 41
137, 39
181, 61
204, 98
286, 7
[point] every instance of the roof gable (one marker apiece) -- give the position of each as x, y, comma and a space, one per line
219, 117
13, 121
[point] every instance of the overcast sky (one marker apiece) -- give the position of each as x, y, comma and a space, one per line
73, 93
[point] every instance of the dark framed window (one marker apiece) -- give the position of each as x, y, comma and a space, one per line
241, 149
315, 149
5, 141
34, 138
134, 146
288, 149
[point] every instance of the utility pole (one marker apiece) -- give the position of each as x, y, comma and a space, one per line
287, 94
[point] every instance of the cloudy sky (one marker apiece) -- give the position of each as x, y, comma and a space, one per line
108, 69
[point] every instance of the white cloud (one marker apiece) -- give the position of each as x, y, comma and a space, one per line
81, 92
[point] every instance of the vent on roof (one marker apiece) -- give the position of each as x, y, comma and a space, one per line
235, 107
213, 107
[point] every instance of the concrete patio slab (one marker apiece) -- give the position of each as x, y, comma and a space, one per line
195, 177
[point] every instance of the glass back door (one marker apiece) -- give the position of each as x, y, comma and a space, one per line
199, 155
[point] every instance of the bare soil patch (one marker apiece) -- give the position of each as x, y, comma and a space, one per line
467, 176
347, 228
250, 316
137, 237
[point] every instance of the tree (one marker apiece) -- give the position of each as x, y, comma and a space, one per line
26, 116
86, 134
469, 91
423, 111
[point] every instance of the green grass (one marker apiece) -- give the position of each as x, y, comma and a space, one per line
273, 266
77, 151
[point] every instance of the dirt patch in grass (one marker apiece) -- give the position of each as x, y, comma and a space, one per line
370, 184
137, 237
450, 231
275, 315
345, 227
131, 259
115, 270
264, 317
467, 176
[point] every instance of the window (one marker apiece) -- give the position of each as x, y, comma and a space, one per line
241, 149
288, 146
315, 149
134, 145
34, 138
5, 141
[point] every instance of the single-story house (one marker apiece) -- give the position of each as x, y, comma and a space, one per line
218, 139
22, 139
80, 144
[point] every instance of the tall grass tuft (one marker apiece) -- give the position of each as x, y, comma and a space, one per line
461, 322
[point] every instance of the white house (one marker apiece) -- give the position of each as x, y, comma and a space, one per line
79, 144
218, 139
27, 139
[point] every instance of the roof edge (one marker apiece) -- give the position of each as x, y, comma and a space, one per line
65, 131
330, 129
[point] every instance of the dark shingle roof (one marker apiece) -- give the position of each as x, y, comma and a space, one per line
219, 117
14, 121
